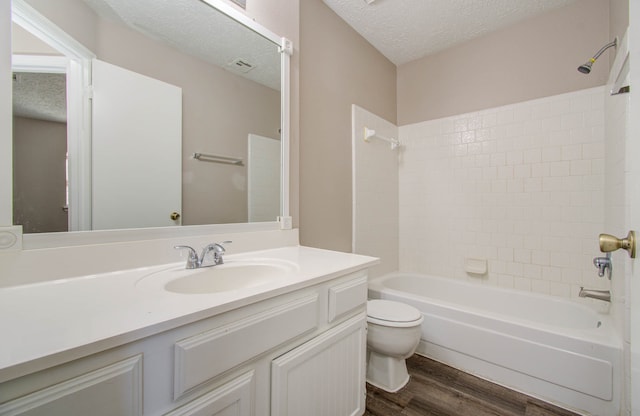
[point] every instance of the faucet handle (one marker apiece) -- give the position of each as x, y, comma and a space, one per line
604, 265
192, 260
219, 250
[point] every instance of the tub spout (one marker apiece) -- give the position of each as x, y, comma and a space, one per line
595, 294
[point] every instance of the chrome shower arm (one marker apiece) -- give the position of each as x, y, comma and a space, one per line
586, 67
604, 48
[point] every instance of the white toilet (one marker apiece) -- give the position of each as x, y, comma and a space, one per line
393, 335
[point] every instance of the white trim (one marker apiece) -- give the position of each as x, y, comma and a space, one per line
285, 127
53, 240
240, 17
79, 143
45, 64
34, 22
354, 139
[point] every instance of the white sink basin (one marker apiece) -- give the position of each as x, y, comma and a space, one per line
232, 275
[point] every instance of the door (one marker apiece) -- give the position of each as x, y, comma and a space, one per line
323, 377
136, 149
263, 183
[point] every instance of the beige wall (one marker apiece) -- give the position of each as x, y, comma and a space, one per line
618, 20
532, 59
78, 19
25, 43
338, 68
39, 181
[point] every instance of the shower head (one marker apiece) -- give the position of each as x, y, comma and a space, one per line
586, 67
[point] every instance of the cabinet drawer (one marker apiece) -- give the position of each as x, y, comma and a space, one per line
204, 356
345, 297
234, 397
112, 390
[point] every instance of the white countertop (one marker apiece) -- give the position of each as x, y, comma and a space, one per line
53, 322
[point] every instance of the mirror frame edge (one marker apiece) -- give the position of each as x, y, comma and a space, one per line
53, 240
6, 146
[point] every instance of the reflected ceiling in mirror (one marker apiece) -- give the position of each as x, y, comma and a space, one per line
194, 27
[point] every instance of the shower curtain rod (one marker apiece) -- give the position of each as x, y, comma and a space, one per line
370, 133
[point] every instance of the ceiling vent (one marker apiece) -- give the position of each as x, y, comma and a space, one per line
241, 65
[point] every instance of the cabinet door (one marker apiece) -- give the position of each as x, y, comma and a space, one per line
323, 377
234, 398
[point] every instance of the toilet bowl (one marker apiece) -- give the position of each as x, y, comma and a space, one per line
393, 335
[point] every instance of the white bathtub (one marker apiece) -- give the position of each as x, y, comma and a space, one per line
554, 349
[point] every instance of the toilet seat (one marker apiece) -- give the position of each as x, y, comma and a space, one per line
391, 313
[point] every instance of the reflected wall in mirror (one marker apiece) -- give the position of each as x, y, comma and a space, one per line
229, 82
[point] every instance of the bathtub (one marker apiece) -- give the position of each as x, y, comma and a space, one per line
554, 349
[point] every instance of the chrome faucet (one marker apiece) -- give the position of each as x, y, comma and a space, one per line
604, 265
218, 251
195, 262
604, 295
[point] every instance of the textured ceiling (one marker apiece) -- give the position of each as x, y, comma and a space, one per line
406, 30
196, 28
40, 96
191, 26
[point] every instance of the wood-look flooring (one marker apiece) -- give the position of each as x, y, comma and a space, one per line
436, 389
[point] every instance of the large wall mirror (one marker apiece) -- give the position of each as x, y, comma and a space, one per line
134, 114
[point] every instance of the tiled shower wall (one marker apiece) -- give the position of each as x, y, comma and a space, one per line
520, 186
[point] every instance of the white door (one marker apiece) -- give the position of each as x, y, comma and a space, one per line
136, 149
263, 183
323, 377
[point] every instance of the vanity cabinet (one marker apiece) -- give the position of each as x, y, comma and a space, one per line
298, 353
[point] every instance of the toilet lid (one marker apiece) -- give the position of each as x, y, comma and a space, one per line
391, 311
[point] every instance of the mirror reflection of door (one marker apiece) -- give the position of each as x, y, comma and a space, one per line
40, 152
136, 144
263, 178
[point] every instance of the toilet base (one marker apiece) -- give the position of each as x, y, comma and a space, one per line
387, 373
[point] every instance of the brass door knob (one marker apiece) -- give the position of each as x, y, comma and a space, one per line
610, 243
174, 216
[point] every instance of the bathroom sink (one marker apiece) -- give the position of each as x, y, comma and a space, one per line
232, 275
